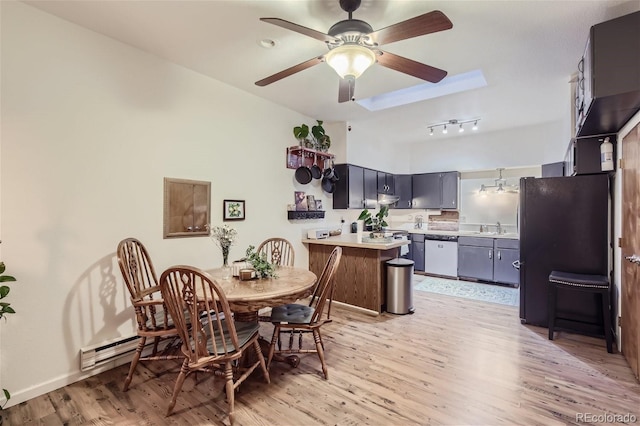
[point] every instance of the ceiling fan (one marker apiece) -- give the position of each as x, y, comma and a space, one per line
354, 47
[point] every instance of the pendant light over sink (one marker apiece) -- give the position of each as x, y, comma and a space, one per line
500, 186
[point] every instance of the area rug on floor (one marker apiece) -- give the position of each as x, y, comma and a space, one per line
469, 290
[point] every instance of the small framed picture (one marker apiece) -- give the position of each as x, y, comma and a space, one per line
319, 205
311, 203
233, 210
301, 201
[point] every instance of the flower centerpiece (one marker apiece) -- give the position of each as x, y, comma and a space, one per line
224, 236
260, 263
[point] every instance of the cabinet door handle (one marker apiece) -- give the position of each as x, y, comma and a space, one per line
499, 255
490, 254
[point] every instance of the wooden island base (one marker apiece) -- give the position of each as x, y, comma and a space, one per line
361, 276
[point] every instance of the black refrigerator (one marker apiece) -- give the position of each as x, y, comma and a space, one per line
564, 226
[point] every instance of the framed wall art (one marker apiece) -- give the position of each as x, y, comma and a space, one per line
187, 208
233, 210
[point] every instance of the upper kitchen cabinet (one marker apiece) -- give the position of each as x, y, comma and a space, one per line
404, 192
370, 188
386, 183
349, 191
608, 88
435, 190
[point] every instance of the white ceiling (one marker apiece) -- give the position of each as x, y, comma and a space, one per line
526, 49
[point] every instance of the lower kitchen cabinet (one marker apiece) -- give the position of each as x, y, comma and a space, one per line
417, 251
506, 252
488, 259
475, 258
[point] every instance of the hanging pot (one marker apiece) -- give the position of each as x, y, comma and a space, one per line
303, 173
331, 173
328, 185
316, 172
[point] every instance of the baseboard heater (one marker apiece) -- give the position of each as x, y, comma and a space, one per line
100, 354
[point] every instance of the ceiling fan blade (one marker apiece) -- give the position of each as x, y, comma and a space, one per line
428, 23
408, 66
289, 71
347, 89
299, 29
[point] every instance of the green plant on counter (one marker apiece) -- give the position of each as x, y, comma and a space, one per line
4, 310
263, 268
378, 221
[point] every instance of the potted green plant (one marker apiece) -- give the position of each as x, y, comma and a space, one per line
322, 140
5, 309
377, 221
301, 133
263, 268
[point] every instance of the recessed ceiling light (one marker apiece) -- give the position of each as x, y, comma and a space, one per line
267, 43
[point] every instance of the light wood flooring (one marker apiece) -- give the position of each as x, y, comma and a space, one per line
455, 361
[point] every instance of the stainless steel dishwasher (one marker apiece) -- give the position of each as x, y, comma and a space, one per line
441, 255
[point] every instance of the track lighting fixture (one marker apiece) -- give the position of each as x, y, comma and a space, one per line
454, 122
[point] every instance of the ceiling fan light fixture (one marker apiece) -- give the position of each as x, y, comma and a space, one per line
475, 125
350, 60
461, 129
444, 129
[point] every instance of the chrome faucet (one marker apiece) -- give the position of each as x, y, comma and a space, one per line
418, 222
498, 228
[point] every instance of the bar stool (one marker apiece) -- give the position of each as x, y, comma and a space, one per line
598, 284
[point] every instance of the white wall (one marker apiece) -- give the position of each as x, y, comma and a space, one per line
518, 147
90, 127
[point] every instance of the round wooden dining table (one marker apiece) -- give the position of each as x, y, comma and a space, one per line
246, 298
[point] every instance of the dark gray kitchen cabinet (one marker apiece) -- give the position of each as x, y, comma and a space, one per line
608, 89
449, 197
489, 259
349, 190
386, 183
475, 258
370, 188
417, 251
426, 191
435, 190
404, 192
506, 252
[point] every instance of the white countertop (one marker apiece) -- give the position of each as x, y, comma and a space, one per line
350, 240
510, 235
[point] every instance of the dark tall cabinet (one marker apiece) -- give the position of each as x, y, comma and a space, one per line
349, 192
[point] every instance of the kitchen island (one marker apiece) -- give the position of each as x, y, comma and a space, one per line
361, 276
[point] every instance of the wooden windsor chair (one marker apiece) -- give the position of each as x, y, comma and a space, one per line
151, 314
298, 318
216, 343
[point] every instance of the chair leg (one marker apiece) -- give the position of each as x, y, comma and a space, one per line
178, 386
551, 307
318, 339
272, 346
134, 363
263, 364
606, 313
228, 374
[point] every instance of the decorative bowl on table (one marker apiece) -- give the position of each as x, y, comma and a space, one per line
335, 232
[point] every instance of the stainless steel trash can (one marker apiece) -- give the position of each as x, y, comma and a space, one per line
399, 288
